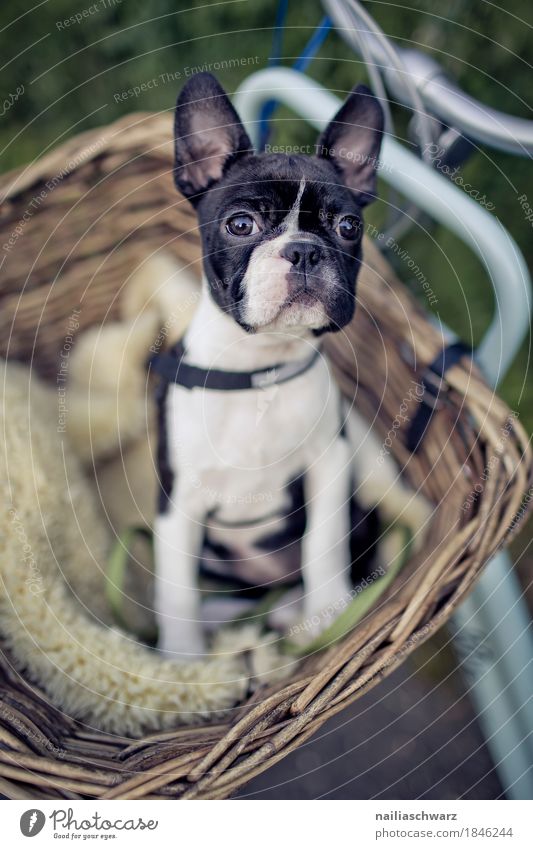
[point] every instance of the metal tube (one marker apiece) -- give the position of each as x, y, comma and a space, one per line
443, 98
492, 636
439, 94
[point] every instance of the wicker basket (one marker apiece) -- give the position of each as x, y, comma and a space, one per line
86, 215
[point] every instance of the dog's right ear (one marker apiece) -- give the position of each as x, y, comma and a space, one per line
352, 142
208, 136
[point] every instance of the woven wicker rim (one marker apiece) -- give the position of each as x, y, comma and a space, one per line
112, 206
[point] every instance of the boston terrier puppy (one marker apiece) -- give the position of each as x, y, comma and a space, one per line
249, 412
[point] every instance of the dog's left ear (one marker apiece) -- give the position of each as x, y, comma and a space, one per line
352, 141
208, 135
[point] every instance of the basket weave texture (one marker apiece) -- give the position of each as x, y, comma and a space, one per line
73, 226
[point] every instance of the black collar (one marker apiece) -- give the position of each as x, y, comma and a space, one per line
172, 369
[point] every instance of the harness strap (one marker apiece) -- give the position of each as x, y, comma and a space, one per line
432, 384
171, 367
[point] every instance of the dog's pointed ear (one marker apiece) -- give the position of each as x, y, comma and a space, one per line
352, 141
208, 135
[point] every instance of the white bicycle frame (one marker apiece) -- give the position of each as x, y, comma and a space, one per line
492, 629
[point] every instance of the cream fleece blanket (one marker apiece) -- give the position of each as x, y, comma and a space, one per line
54, 540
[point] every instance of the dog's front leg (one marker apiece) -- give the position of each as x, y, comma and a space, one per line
178, 542
326, 543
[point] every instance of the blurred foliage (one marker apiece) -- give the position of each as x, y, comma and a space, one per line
74, 77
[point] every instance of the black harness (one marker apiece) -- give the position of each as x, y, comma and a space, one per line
172, 369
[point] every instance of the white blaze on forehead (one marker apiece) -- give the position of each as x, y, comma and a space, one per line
290, 222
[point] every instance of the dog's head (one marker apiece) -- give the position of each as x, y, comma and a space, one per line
281, 233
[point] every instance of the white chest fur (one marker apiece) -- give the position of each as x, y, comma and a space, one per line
236, 450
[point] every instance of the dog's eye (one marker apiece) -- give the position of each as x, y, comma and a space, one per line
241, 225
348, 227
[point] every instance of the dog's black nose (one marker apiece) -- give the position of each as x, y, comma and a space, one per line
302, 255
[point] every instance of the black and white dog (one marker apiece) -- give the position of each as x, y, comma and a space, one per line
250, 411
